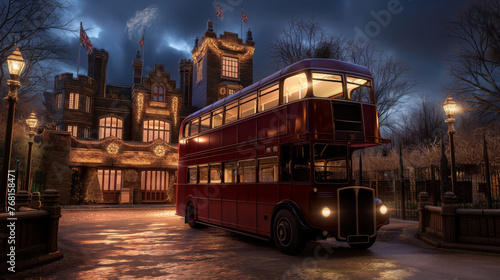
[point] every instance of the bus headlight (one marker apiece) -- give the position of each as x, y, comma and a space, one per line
383, 209
326, 212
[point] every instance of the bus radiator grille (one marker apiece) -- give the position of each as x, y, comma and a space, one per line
356, 212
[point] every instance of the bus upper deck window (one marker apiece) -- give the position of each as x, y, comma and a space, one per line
193, 127
217, 118
205, 123
359, 89
269, 98
231, 112
327, 85
294, 88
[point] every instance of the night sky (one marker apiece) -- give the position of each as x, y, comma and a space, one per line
413, 33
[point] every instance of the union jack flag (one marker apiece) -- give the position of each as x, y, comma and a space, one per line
85, 41
141, 42
244, 17
220, 13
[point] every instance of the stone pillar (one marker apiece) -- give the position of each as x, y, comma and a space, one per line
22, 199
423, 200
450, 204
51, 205
35, 201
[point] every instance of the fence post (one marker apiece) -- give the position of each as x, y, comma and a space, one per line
450, 204
35, 200
51, 205
22, 199
402, 178
423, 200
487, 168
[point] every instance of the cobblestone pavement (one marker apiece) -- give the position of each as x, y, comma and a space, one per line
156, 244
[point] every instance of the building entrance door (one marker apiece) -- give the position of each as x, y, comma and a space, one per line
154, 184
110, 181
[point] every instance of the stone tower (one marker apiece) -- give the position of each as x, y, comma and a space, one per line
137, 64
97, 68
221, 66
186, 81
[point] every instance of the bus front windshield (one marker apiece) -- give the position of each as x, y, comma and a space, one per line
330, 163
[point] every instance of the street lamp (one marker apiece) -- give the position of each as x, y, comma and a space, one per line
32, 121
451, 108
15, 64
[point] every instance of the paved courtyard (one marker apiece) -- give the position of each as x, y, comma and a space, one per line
156, 244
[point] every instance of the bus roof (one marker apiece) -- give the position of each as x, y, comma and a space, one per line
312, 63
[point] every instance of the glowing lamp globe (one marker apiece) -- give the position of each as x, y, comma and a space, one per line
16, 64
450, 107
32, 121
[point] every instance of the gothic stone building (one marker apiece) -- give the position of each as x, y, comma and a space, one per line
124, 138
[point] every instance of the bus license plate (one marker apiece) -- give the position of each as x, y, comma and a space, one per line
356, 239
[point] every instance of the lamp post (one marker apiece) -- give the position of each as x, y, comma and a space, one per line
31, 122
450, 108
16, 64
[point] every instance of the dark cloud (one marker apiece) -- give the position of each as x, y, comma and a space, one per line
415, 34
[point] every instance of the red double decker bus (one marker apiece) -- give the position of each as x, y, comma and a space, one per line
274, 159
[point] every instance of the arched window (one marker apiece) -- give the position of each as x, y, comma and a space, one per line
110, 126
154, 129
158, 93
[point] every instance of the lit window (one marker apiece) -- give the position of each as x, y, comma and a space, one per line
248, 105
74, 99
295, 87
230, 172
193, 127
231, 112
199, 71
203, 174
269, 98
109, 180
230, 91
73, 129
217, 118
155, 129
268, 170
86, 132
327, 85
158, 93
359, 89
216, 173
87, 104
246, 171
110, 126
59, 101
230, 67
154, 183
193, 175
205, 123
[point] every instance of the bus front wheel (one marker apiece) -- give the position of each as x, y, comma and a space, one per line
287, 234
190, 217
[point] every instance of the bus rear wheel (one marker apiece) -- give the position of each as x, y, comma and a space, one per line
190, 217
287, 234
362, 246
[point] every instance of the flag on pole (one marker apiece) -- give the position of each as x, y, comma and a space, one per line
141, 42
85, 41
220, 13
244, 17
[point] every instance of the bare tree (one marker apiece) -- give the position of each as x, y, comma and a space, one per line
422, 124
475, 65
37, 28
393, 81
304, 38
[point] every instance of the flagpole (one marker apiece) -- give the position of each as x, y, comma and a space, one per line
143, 48
79, 47
241, 23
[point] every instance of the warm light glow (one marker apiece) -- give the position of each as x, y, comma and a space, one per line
383, 209
112, 148
450, 107
140, 105
32, 121
16, 64
159, 151
174, 109
326, 212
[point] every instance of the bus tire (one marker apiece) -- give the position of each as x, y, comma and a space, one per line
287, 234
190, 216
362, 246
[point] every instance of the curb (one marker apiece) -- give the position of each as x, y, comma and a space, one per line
458, 246
116, 207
